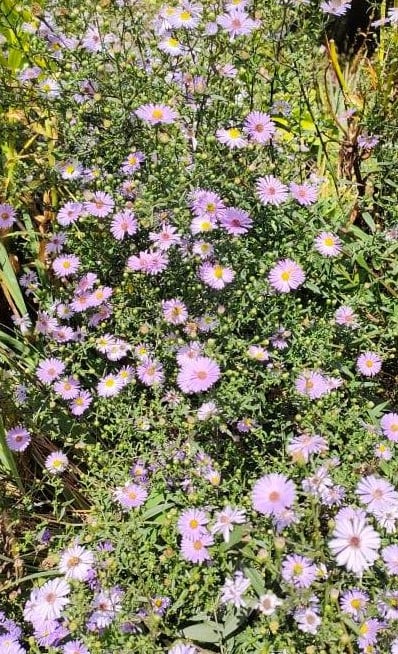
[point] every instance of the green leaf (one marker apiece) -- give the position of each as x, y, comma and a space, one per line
234, 538
205, 632
231, 625
256, 580
9, 281
156, 510
369, 221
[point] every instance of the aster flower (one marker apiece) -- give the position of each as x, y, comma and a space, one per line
76, 562
67, 388
328, 244
335, 7
382, 451
160, 604
132, 163
286, 275
346, 317
49, 88
66, 265
236, 221
305, 194
307, 620
312, 384
198, 375
191, 523
225, 519
301, 447
75, 647
259, 127
298, 570
270, 190
56, 463
376, 492
355, 544
123, 224
174, 312
233, 590
369, 363
206, 204
232, 137
258, 353
106, 604
18, 438
100, 205
206, 411
237, 23
195, 550
171, 46
150, 372
268, 603
201, 224
130, 496
368, 632
390, 557
183, 649
109, 386
7, 216
51, 599
389, 426
166, 238
353, 602
215, 275
272, 494
154, 114
187, 16
49, 370
151, 263
203, 249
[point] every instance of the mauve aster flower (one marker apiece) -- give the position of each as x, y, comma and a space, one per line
51, 600
195, 550
286, 275
151, 263
355, 544
18, 438
187, 16
75, 562
56, 463
301, 447
346, 317
388, 605
268, 603
307, 619
174, 311
231, 137
123, 223
206, 204
75, 647
259, 127
198, 375
7, 216
207, 410
328, 244
270, 190
150, 372
215, 275
353, 602
272, 494
298, 570
389, 426
133, 162
100, 205
49, 370
154, 114
258, 353
335, 7
390, 558
225, 519
368, 632
233, 589
382, 451
369, 363
130, 496
203, 249
305, 194
237, 23
67, 388
66, 265
376, 492
236, 221
201, 224
166, 237
312, 384
109, 386
183, 649
171, 46
191, 523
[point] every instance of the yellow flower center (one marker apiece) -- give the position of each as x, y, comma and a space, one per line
218, 272
110, 383
206, 226
363, 629
157, 114
234, 133
328, 241
298, 569
198, 545
185, 16
173, 43
193, 524
132, 495
356, 603
66, 265
132, 160
286, 275
369, 363
70, 169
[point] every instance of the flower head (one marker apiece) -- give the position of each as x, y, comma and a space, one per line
355, 544
286, 276
270, 190
155, 114
328, 244
369, 364
259, 127
76, 562
389, 426
18, 438
198, 375
56, 463
273, 493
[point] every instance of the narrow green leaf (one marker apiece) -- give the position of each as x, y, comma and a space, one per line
8, 278
204, 632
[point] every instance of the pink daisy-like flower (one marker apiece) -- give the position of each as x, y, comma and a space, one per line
328, 244
354, 602
376, 493
198, 375
286, 275
67, 388
369, 364
75, 647
76, 562
312, 384
80, 403
151, 263
191, 523
166, 238
272, 494
195, 550
133, 162
389, 426
390, 558
215, 275
237, 23
201, 224
100, 205
346, 317
187, 16
231, 137
130, 496
225, 521
206, 204
355, 544
49, 370
123, 223
18, 438
51, 600
236, 221
154, 114
233, 589
304, 194
298, 570
181, 648
258, 353
175, 312
56, 463
259, 127
301, 447
335, 7
150, 372
189, 352
66, 265
109, 386
270, 190
7, 216
171, 46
